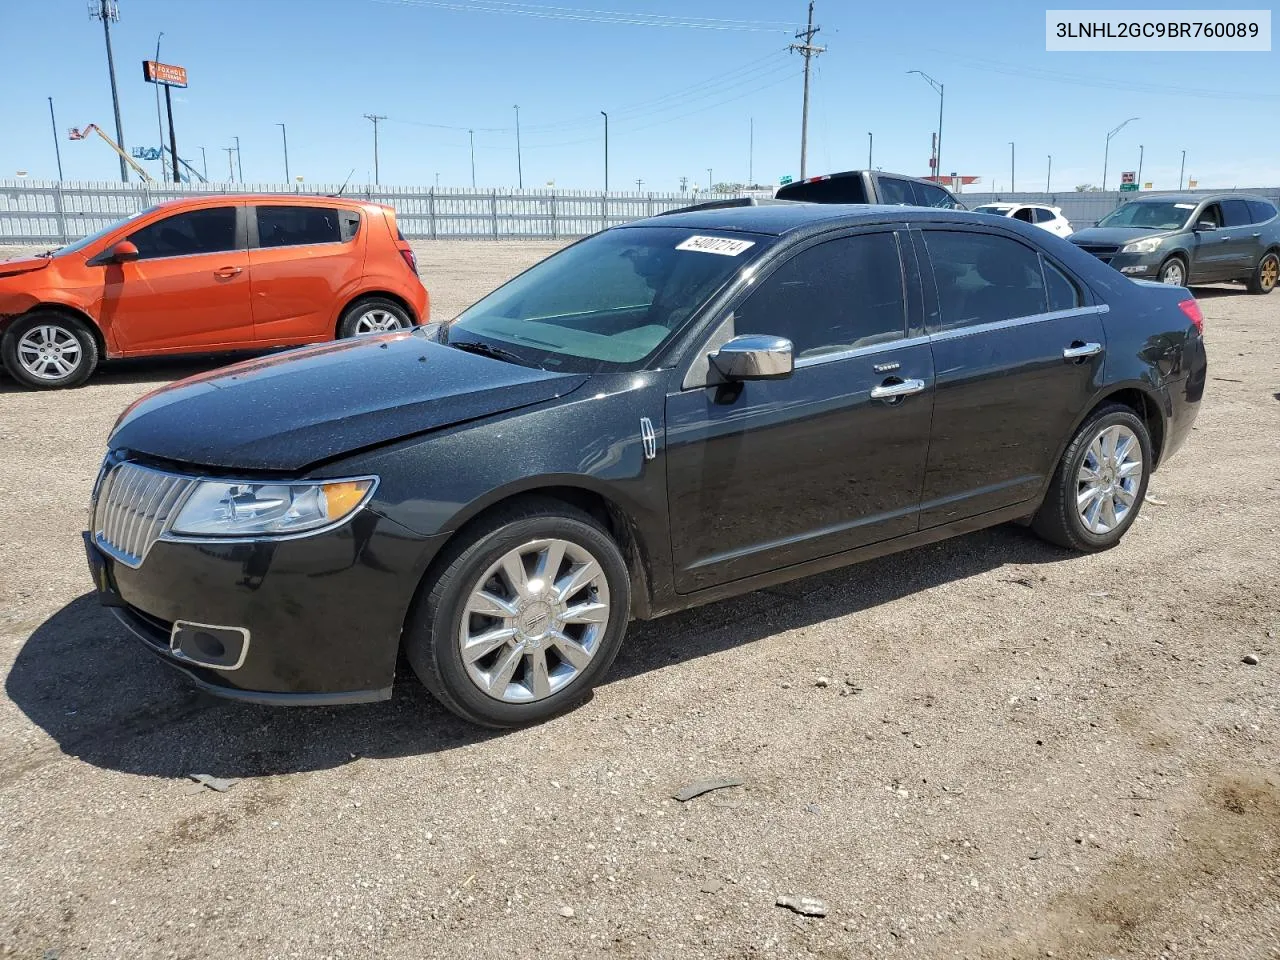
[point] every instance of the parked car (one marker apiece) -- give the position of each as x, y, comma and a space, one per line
663, 414
1041, 214
208, 274
1190, 238
870, 186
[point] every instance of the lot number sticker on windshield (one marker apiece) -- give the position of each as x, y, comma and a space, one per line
721, 245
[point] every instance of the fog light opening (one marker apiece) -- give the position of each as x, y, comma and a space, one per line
208, 645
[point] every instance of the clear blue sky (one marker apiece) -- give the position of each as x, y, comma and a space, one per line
680, 99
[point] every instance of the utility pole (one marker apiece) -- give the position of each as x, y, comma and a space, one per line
231, 167
639, 184
606, 151
684, 184
107, 11
1141, 150
173, 139
1182, 169
751, 152
808, 51
1048, 176
519, 163
871, 142
57, 151
239, 165
940, 89
159, 122
1013, 180
285, 137
375, 118
472, 134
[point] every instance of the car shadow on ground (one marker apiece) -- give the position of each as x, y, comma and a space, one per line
103, 698
148, 370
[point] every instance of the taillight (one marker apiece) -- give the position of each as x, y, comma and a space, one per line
411, 261
1192, 310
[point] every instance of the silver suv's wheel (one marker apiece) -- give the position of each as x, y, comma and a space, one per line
1173, 273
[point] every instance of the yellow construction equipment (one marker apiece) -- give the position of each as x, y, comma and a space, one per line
82, 133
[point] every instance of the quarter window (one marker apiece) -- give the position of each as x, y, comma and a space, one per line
187, 234
1236, 213
297, 226
1261, 211
984, 278
1062, 293
838, 295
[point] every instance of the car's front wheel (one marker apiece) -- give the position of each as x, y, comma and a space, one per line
49, 351
525, 616
1100, 483
1174, 272
373, 315
1267, 274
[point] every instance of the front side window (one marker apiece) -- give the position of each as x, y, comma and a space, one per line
984, 278
895, 191
839, 295
927, 195
1235, 213
1212, 215
608, 302
188, 234
297, 226
1156, 214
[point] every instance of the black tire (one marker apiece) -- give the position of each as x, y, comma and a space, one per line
431, 635
1173, 263
61, 327
1058, 519
347, 325
1266, 275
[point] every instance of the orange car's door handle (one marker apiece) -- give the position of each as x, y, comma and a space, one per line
227, 272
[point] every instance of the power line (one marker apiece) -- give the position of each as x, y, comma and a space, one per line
628, 18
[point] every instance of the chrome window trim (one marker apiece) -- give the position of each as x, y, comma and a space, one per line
977, 328
180, 656
869, 350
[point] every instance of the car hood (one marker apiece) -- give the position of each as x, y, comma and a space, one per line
18, 265
292, 410
1115, 235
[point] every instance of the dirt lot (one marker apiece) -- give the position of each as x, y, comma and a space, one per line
1020, 753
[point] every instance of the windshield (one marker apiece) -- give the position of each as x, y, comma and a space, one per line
607, 303
95, 237
1155, 214
989, 208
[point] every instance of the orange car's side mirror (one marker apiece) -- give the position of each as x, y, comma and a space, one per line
123, 251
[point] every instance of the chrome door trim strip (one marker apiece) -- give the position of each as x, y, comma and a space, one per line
959, 332
867, 351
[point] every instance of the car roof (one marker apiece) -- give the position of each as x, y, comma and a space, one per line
292, 199
789, 218
1196, 198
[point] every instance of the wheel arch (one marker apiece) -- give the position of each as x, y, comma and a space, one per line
369, 295
66, 310
1140, 397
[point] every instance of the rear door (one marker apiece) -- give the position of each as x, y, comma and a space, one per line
188, 289
1241, 239
302, 258
769, 473
1017, 353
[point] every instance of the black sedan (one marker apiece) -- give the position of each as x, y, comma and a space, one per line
1181, 239
661, 415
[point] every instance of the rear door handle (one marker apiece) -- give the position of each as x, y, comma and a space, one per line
227, 272
1079, 350
902, 388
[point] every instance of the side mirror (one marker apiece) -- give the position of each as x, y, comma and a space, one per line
754, 356
1205, 226
123, 251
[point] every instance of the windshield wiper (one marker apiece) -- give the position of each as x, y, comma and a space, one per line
487, 350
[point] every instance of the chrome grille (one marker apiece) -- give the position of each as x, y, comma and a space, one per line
135, 505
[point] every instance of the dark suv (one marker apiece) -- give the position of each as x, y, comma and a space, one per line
870, 186
1183, 239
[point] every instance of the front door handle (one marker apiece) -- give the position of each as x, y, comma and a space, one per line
1078, 350
897, 388
227, 273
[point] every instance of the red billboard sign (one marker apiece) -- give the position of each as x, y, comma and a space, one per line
164, 73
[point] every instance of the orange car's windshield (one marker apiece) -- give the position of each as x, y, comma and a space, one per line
93, 238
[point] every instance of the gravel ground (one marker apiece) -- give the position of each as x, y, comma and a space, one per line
1018, 753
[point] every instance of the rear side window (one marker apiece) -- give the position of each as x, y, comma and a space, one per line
893, 190
297, 226
832, 190
1043, 215
1062, 293
1236, 213
1025, 214
984, 278
188, 234
1261, 211
838, 295
928, 195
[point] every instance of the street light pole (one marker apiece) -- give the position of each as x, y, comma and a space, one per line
284, 136
1141, 151
940, 89
1048, 176
1107, 153
1182, 169
708, 179
519, 162
472, 135
871, 142
57, 151
159, 122
1013, 180
606, 151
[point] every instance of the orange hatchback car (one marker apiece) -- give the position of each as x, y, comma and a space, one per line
208, 274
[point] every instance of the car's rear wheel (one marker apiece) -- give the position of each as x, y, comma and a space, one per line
1100, 483
373, 315
526, 615
1267, 275
49, 351
1174, 272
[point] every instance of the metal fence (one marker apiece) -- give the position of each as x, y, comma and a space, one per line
51, 212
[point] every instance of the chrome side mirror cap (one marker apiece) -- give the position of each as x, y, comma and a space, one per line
754, 356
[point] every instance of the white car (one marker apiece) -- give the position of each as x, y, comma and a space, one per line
1042, 215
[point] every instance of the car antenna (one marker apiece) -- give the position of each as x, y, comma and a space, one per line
344, 184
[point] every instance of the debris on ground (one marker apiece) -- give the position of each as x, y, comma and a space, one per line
1158, 502
1250, 659
805, 906
567, 912
822, 682
213, 783
703, 786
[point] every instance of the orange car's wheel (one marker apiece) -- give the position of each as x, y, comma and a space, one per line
373, 315
49, 351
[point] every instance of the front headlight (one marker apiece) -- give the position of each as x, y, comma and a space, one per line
1145, 245
222, 509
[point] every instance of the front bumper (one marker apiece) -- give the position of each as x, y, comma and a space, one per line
323, 614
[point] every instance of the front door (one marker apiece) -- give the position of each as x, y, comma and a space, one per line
1241, 240
188, 289
769, 473
1210, 256
1018, 356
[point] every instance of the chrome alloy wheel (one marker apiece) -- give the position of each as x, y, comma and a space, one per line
1173, 273
49, 352
377, 320
534, 621
1109, 478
